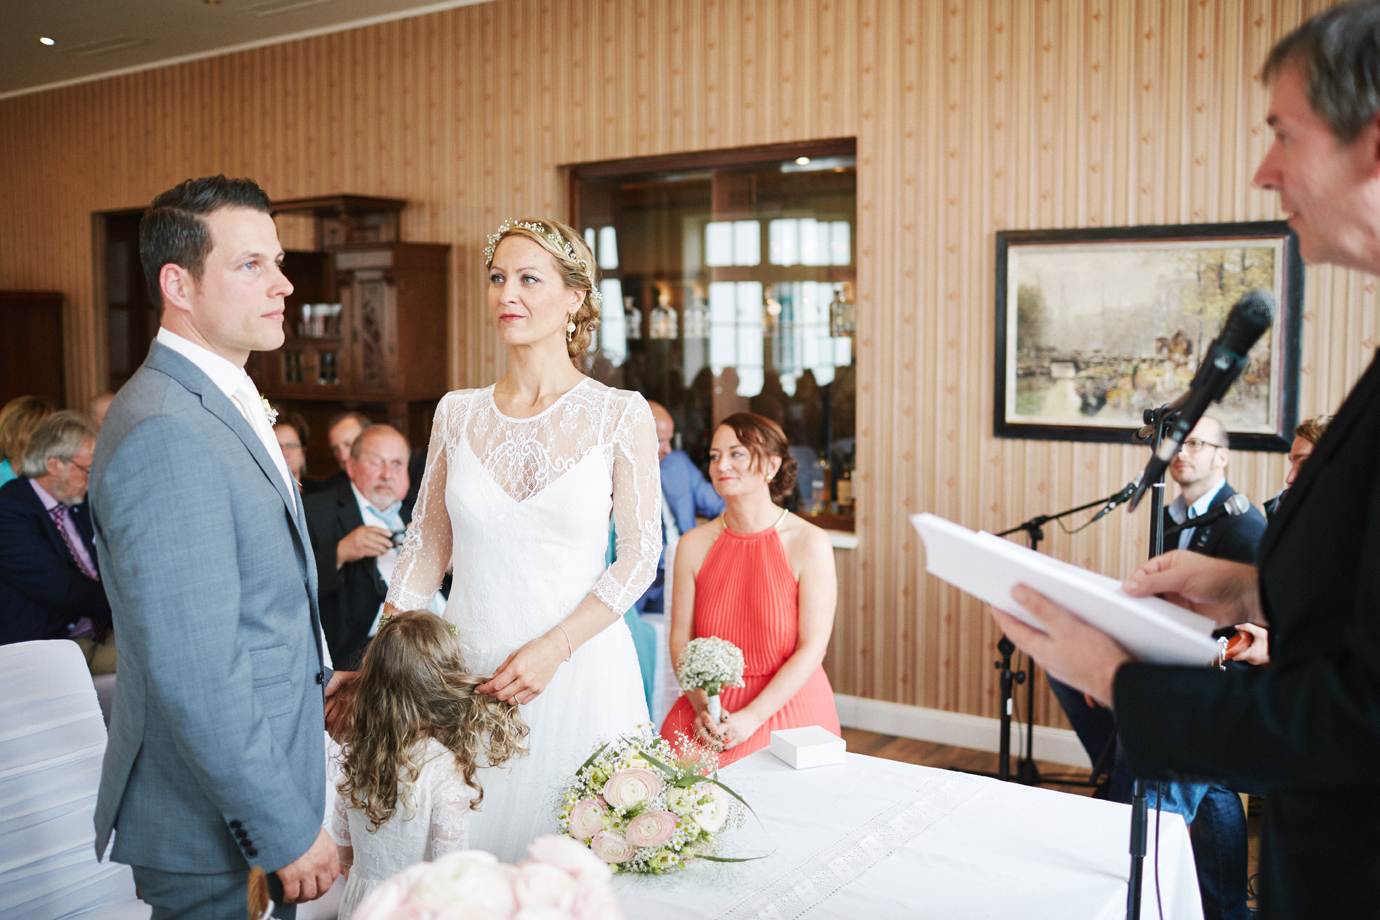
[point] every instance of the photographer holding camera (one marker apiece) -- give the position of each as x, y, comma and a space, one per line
356, 531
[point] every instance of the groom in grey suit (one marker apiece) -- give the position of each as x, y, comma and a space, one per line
216, 758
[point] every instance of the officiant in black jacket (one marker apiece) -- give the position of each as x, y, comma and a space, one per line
355, 530
1307, 727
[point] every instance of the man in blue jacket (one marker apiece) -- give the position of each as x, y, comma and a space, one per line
685, 493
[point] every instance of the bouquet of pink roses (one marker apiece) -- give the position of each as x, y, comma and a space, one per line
560, 880
642, 808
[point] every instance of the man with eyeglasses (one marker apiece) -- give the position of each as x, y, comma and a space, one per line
50, 585
1200, 469
356, 530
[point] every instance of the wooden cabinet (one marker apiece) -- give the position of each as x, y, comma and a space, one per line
365, 327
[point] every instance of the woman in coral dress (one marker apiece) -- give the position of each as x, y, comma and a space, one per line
763, 579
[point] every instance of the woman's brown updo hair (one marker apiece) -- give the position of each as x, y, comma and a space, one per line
764, 439
577, 276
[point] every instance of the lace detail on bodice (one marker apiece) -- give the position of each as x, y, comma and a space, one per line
523, 457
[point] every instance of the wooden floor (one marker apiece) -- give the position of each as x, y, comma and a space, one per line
1053, 775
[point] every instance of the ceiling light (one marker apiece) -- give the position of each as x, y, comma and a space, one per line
802, 161
47, 41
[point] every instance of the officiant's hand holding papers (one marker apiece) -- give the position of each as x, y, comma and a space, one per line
1076, 653
1087, 658
1227, 593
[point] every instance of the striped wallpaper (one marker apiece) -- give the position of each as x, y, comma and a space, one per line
970, 117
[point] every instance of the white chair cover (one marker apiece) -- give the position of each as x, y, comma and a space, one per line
52, 739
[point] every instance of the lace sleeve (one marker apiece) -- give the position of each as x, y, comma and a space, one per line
340, 822
636, 508
427, 547
450, 814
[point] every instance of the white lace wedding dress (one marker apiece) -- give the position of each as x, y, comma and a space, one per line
430, 821
520, 508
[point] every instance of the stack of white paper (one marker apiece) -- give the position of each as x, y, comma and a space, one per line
988, 567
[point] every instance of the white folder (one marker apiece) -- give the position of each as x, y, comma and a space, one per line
988, 567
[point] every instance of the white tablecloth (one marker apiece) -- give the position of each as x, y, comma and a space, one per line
877, 839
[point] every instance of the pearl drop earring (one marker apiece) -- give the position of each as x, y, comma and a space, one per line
570, 327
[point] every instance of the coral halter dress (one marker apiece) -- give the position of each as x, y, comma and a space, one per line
746, 593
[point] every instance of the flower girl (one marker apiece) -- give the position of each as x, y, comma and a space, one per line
418, 735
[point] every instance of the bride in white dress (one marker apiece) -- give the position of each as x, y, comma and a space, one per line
521, 479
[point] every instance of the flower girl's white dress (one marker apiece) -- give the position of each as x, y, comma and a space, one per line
521, 508
430, 821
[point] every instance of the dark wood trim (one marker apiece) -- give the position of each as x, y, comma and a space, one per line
335, 206
710, 159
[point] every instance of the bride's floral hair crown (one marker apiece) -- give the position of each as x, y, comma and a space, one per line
558, 242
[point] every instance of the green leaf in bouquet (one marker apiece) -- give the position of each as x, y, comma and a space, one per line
711, 779
673, 773
733, 858
595, 756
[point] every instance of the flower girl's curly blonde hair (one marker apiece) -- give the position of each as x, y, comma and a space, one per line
414, 685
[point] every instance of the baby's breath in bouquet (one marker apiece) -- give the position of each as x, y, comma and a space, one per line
710, 664
644, 809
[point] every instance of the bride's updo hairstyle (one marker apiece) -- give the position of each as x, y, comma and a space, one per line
414, 685
576, 264
764, 439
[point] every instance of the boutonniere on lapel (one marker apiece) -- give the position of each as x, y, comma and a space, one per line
269, 411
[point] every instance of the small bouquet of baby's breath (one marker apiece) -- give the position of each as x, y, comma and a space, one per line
710, 664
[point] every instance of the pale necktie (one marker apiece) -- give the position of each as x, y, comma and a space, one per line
246, 398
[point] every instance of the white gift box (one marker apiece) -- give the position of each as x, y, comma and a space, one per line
807, 747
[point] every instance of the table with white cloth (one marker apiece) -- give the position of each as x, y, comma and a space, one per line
877, 839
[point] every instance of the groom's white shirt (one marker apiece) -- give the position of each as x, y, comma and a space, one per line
230, 379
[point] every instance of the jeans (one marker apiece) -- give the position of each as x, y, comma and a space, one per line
1216, 820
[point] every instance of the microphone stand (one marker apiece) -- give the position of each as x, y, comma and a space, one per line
1026, 771
1160, 420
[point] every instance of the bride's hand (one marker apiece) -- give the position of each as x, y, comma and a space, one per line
526, 672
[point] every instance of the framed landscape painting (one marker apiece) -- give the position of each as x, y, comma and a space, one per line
1096, 326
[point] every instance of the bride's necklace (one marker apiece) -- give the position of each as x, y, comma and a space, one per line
777, 522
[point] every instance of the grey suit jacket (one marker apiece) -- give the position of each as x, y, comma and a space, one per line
216, 758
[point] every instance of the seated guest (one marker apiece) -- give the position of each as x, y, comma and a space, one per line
18, 420
340, 434
50, 585
291, 431
355, 533
685, 494
763, 579
1306, 435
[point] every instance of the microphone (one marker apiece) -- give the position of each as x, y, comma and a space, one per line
1237, 504
1226, 357
1118, 498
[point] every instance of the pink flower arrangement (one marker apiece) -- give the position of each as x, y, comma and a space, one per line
643, 808
628, 788
587, 818
611, 847
651, 828
561, 880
